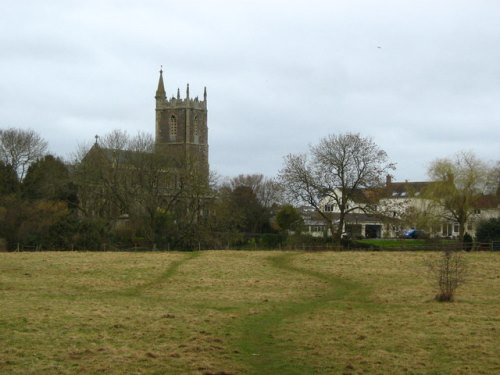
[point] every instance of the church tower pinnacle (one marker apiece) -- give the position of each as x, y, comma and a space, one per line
160, 91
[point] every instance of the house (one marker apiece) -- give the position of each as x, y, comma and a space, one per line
387, 212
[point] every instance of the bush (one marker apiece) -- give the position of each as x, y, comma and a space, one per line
449, 271
488, 230
467, 241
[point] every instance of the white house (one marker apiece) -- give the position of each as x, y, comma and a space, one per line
389, 211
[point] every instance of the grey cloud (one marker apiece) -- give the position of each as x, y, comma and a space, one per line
279, 74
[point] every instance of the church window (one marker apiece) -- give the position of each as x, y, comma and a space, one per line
173, 128
196, 130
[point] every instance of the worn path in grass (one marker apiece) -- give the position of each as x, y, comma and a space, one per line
259, 345
167, 274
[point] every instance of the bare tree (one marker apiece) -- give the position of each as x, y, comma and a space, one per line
122, 176
19, 148
268, 191
449, 272
341, 166
459, 182
494, 182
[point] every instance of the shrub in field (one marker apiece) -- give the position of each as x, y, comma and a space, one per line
468, 241
488, 230
449, 271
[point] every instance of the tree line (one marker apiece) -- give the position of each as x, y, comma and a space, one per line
119, 193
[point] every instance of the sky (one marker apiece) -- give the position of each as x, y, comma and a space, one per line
421, 78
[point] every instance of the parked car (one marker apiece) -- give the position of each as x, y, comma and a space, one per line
415, 233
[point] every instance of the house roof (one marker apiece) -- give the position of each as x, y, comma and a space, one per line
488, 202
314, 218
406, 189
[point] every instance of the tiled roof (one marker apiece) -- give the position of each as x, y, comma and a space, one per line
488, 202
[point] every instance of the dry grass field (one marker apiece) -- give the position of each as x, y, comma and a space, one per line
230, 312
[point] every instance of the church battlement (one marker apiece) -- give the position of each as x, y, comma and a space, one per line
174, 102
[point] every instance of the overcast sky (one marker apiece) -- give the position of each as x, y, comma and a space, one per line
422, 78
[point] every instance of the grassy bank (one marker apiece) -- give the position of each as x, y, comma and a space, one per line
235, 312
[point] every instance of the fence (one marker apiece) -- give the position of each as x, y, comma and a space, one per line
351, 246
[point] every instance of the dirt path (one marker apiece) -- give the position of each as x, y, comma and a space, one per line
261, 350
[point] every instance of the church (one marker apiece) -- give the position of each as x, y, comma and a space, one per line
181, 131
172, 175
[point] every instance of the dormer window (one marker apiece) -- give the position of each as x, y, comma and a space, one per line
329, 207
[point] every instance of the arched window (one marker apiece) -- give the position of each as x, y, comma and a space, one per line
173, 128
196, 130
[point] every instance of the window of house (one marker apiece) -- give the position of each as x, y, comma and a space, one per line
173, 128
329, 207
455, 228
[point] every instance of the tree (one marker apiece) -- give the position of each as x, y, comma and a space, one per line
119, 177
29, 222
449, 271
8, 179
458, 184
495, 179
134, 189
267, 190
245, 203
340, 167
289, 218
239, 210
488, 230
20, 148
49, 178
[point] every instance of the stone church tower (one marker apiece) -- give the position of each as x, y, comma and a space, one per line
181, 129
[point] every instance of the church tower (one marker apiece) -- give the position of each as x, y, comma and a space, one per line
181, 129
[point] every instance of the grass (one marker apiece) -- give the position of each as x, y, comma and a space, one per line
409, 244
392, 243
232, 312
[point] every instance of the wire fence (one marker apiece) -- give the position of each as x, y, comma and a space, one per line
350, 246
